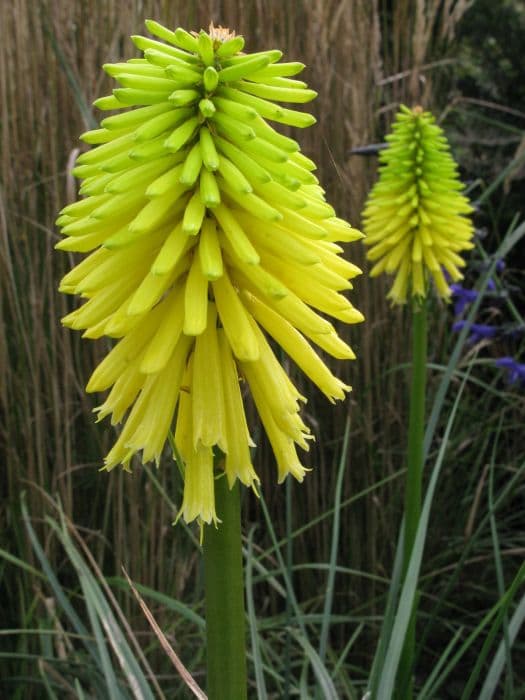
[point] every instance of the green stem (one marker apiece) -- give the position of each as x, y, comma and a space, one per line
414, 478
288, 604
224, 593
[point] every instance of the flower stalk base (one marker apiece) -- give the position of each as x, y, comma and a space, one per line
414, 479
224, 592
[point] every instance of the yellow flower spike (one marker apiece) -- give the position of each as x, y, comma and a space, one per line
208, 229
416, 216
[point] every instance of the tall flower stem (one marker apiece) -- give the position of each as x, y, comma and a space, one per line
416, 432
224, 593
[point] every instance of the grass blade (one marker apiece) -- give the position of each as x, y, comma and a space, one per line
496, 667
423, 693
501, 609
58, 591
494, 612
181, 669
336, 524
409, 589
252, 623
498, 563
325, 682
166, 601
99, 609
105, 659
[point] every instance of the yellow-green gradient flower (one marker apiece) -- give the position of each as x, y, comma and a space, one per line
416, 218
208, 235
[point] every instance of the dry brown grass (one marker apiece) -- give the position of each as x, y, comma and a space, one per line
362, 62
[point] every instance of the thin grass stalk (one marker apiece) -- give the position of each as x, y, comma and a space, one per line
332, 565
509, 676
501, 607
252, 619
224, 596
414, 478
496, 668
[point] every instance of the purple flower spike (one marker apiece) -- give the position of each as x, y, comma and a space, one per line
463, 297
515, 370
478, 331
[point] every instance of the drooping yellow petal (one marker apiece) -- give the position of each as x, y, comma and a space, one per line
298, 348
199, 487
162, 390
238, 463
235, 320
209, 423
198, 499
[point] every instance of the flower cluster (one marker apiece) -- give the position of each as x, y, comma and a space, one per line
208, 232
416, 218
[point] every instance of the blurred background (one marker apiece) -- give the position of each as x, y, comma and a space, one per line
461, 59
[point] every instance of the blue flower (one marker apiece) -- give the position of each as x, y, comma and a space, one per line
515, 370
478, 331
463, 297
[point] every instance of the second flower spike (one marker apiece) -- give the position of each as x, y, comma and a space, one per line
416, 218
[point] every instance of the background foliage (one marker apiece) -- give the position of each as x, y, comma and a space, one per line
461, 59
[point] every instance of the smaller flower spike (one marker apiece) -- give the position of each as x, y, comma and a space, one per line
416, 218
210, 241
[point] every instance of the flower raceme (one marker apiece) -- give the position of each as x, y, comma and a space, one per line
416, 218
208, 234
